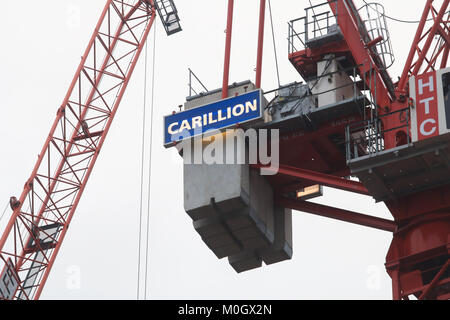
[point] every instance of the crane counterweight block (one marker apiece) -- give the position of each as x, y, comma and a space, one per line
231, 205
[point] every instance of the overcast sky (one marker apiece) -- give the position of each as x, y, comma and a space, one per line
42, 42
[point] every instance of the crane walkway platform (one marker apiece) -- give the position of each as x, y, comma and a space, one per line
397, 172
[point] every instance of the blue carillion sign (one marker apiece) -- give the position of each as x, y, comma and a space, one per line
214, 116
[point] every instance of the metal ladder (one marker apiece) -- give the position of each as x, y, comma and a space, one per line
169, 16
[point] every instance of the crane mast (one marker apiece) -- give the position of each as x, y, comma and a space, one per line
349, 119
42, 214
418, 258
409, 174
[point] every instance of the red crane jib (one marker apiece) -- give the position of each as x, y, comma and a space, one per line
50, 197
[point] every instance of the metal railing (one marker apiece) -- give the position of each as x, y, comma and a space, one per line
316, 23
375, 27
367, 137
192, 77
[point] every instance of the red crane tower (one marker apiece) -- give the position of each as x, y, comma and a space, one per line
409, 173
349, 119
42, 214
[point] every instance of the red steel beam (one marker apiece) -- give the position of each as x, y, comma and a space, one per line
405, 74
378, 82
396, 287
435, 280
361, 54
374, 42
319, 178
444, 35
338, 214
445, 57
226, 66
431, 35
412, 69
262, 14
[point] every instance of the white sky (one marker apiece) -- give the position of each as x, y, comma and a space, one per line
42, 42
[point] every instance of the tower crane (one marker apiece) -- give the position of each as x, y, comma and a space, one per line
42, 214
350, 118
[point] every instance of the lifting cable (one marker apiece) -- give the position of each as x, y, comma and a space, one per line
401, 20
150, 162
147, 217
142, 174
4, 210
274, 45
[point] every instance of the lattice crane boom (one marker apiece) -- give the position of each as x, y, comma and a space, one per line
42, 214
423, 41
